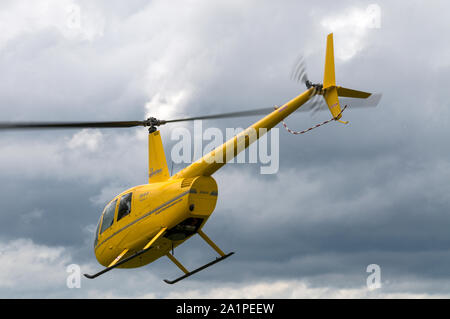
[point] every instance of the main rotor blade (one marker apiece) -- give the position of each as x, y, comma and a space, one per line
311, 105
262, 111
68, 125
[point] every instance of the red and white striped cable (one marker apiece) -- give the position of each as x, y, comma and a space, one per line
313, 127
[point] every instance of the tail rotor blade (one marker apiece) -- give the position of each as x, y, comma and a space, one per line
318, 105
298, 72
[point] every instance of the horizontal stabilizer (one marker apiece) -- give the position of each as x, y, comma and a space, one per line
352, 93
372, 101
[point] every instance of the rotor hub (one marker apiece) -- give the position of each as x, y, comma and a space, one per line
317, 86
152, 123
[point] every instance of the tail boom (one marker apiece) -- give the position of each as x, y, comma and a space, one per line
217, 158
214, 160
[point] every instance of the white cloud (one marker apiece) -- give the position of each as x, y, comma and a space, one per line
26, 266
164, 106
89, 139
351, 26
290, 289
66, 16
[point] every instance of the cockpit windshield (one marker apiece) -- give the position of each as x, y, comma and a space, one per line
96, 232
108, 216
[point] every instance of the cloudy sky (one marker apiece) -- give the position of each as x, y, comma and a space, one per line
373, 192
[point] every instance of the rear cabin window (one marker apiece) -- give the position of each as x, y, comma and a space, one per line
108, 216
124, 206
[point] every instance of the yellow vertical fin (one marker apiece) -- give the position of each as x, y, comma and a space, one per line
157, 164
329, 77
329, 81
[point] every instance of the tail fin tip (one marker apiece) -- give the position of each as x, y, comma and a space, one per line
329, 74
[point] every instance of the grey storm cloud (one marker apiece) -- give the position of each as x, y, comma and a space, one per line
374, 191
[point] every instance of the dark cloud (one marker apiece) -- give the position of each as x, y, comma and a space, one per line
374, 191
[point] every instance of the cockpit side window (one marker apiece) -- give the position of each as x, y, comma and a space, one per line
124, 206
108, 216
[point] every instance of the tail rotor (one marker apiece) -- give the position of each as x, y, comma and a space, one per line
328, 89
300, 74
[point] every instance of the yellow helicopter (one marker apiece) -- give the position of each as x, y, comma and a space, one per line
147, 222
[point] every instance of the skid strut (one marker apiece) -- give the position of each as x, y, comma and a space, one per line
190, 273
116, 261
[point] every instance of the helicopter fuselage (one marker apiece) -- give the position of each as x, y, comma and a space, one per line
180, 205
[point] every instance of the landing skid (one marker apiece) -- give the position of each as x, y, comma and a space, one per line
188, 274
119, 261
